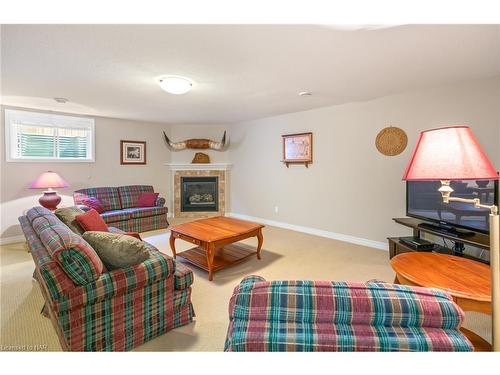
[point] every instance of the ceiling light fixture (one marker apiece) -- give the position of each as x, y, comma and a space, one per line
305, 93
175, 85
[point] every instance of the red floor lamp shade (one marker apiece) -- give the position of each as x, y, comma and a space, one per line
453, 153
49, 180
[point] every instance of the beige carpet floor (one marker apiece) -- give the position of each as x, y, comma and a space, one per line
286, 255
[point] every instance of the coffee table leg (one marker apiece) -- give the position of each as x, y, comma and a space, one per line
172, 244
261, 240
210, 250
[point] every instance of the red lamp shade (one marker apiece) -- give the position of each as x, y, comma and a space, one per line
450, 153
48, 180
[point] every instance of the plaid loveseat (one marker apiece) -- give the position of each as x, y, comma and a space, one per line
96, 310
341, 316
121, 209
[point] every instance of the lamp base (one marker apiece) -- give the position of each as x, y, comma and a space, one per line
49, 200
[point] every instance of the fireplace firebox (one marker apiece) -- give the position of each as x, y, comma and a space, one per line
199, 194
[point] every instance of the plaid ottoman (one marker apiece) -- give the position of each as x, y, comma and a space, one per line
341, 316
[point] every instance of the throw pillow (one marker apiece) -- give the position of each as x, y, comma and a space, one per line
92, 221
68, 216
117, 250
93, 203
147, 199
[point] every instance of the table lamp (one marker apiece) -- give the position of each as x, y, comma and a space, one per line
49, 180
453, 153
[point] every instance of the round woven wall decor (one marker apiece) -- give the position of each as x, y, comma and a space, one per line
391, 141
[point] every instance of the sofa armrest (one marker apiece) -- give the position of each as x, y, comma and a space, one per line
160, 202
120, 281
344, 303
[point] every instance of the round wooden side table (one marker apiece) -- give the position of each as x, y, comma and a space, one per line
467, 281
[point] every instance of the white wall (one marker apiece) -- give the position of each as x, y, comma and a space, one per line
351, 188
106, 171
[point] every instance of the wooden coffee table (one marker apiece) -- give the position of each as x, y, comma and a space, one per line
467, 281
216, 239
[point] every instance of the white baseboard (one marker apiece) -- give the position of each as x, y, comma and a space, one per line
314, 231
13, 239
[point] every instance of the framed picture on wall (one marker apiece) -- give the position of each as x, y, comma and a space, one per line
132, 152
297, 149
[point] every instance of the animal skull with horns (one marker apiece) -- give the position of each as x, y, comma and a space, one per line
196, 144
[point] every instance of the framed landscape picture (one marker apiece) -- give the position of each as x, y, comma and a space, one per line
132, 152
297, 149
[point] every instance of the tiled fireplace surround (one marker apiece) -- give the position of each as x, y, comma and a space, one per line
198, 170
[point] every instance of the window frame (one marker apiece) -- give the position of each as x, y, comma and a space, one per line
49, 120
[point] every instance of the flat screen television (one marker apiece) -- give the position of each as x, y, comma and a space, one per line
424, 201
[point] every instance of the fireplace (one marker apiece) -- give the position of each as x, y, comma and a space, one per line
199, 194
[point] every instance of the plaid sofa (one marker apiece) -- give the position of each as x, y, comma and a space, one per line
96, 310
341, 316
121, 210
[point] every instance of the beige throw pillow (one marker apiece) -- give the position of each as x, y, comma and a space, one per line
67, 216
117, 250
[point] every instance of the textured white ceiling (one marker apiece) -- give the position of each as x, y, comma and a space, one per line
241, 71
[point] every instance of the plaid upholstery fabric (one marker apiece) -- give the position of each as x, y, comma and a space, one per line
120, 310
139, 316
145, 224
184, 315
48, 271
76, 257
341, 316
276, 336
37, 211
183, 276
181, 297
115, 215
130, 194
146, 211
119, 282
108, 196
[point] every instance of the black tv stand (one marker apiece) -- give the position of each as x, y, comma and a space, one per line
477, 239
445, 229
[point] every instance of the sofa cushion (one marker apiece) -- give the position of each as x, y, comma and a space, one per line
68, 216
92, 221
108, 196
75, 256
346, 303
183, 276
117, 250
116, 215
139, 212
129, 195
147, 199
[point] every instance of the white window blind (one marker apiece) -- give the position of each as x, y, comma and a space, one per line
32, 136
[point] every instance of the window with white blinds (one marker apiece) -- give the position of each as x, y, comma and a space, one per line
33, 136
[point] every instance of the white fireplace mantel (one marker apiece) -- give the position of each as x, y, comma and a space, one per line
199, 166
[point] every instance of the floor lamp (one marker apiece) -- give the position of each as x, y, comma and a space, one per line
453, 153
